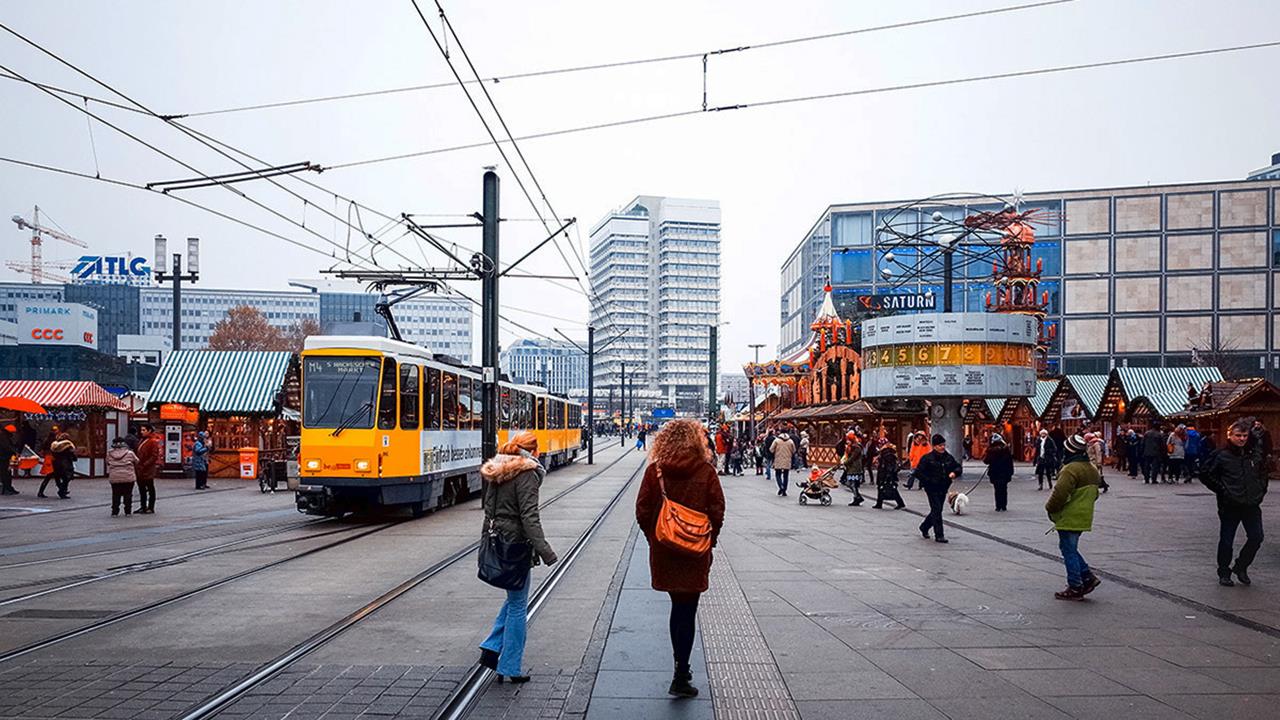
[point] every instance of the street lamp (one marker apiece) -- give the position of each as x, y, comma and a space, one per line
751, 391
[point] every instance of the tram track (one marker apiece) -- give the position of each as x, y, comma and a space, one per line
70, 582
78, 508
149, 607
264, 673
223, 532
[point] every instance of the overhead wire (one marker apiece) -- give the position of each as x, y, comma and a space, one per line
816, 97
448, 25
611, 65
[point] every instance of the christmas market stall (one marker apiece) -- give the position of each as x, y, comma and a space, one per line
90, 415
1139, 396
245, 400
1221, 403
1075, 402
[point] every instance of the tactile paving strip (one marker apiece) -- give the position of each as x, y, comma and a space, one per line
745, 681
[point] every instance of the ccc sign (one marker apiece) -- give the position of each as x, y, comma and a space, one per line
46, 334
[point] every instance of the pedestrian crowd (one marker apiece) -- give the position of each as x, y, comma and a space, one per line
133, 461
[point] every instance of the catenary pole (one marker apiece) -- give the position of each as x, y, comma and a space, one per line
622, 414
591, 394
711, 376
489, 303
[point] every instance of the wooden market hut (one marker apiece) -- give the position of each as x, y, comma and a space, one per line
1075, 401
1141, 395
90, 415
980, 422
1222, 403
243, 399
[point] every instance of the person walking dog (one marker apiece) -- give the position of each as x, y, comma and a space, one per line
1237, 474
1070, 507
681, 481
936, 469
512, 479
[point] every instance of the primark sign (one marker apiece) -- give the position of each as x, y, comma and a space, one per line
111, 270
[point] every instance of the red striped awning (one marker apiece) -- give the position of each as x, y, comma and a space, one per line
62, 393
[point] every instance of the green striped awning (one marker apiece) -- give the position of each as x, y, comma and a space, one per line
995, 406
1040, 401
222, 381
1089, 389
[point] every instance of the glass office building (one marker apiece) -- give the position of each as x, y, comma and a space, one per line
1138, 276
655, 267
556, 365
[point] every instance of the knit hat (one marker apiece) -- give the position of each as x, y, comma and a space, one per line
995, 438
939, 440
1074, 444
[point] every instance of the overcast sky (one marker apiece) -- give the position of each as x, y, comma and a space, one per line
773, 170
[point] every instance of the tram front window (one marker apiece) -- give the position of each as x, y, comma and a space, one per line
339, 391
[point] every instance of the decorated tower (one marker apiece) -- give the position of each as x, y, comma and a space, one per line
833, 361
1017, 281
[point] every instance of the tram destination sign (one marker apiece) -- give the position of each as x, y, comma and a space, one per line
897, 302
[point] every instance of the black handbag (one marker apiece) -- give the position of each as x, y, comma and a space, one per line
503, 564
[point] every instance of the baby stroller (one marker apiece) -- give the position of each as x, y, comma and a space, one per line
817, 487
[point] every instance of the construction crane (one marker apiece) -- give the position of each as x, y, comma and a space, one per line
36, 269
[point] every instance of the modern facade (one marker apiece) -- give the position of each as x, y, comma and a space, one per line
440, 324
556, 365
734, 388
1271, 172
1138, 276
655, 272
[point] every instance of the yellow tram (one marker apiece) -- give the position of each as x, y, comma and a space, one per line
386, 423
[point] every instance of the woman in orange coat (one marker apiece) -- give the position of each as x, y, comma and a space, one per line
682, 459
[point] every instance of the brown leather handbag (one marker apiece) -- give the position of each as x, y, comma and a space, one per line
680, 528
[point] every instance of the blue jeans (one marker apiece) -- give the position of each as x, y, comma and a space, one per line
509, 630
1077, 568
768, 468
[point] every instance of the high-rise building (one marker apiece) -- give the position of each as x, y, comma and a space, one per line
1138, 276
655, 272
556, 365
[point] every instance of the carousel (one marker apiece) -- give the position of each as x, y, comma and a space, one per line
819, 389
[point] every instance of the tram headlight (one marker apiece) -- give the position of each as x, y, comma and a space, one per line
313, 464
362, 466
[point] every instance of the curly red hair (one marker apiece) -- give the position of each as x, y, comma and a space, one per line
680, 442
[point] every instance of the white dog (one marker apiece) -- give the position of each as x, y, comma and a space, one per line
957, 501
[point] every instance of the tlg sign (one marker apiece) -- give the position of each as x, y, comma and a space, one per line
111, 270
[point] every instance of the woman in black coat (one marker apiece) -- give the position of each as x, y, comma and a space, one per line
999, 460
887, 477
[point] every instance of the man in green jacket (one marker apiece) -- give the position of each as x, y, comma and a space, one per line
1070, 507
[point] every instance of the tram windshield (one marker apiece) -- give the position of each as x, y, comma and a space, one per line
339, 391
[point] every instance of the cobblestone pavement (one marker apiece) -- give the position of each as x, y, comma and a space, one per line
815, 612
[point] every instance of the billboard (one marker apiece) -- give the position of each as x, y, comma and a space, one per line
111, 270
57, 324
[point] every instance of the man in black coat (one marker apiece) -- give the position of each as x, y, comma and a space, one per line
935, 471
1154, 450
1237, 474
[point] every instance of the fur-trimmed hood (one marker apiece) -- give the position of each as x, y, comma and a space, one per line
504, 468
61, 446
